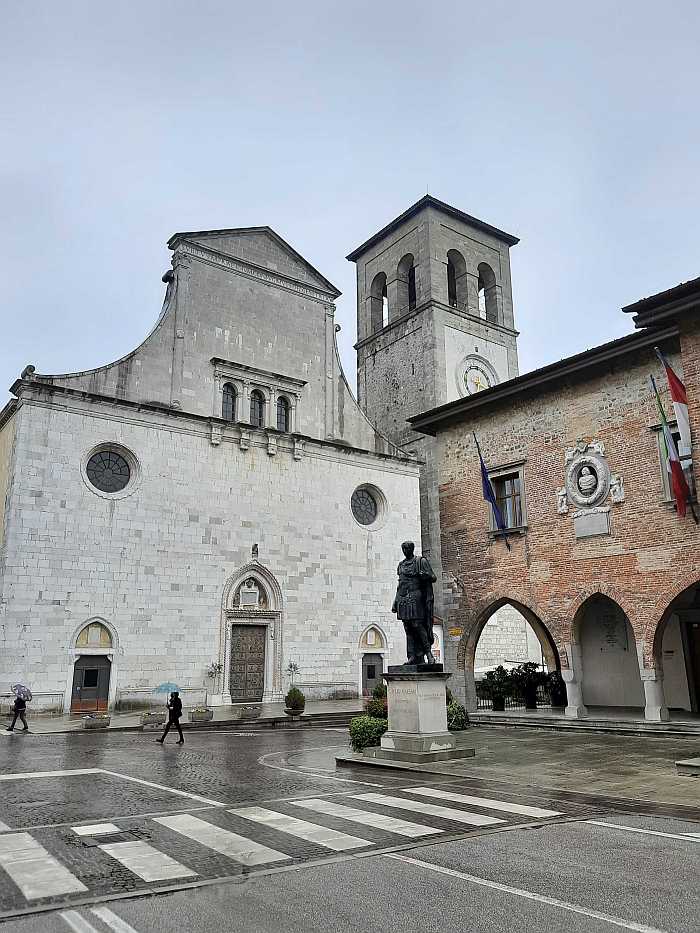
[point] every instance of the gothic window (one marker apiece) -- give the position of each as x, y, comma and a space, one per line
257, 408
108, 471
94, 635
282, 414
488, 298
228, 405
379, 303
456, 280
406, 282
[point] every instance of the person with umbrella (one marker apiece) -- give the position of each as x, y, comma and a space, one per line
22, 695
174, 713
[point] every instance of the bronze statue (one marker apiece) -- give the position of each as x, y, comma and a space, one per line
414, 604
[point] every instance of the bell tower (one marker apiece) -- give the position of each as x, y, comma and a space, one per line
434, 324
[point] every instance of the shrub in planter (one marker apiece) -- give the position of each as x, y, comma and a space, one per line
526, 679
378, 709
153, 718
457, 718
366, 731
295, 701
201, 714
379, 692
497, 686
556, 688
96, 721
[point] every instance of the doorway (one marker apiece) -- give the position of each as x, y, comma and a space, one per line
372, 670
90, 684
247, 670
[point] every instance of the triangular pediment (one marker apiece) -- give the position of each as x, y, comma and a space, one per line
262, 247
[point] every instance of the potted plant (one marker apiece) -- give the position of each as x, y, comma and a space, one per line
294, 703
557, 689
497, 686
153, 718
96, 721
526, 679
201, 714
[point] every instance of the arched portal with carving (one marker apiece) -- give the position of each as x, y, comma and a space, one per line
250, 649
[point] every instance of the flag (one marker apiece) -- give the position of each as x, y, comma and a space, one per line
680, 405
490, 495
679, 486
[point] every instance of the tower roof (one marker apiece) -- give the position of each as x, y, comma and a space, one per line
429, 201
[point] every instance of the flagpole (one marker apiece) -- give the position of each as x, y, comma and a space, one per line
490, 495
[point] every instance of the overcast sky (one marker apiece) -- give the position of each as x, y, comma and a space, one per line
121, 123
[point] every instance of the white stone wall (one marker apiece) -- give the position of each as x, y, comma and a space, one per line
507, 636
154, 564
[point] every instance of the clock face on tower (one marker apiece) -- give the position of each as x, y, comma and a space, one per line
476, 378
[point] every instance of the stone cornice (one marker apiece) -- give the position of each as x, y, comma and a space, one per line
253, 271
222, 365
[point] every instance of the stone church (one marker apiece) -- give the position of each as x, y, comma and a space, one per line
210, 508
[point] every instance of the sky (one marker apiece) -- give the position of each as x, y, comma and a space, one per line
572, 126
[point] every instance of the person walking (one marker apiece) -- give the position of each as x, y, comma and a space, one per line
174, 713
19, 712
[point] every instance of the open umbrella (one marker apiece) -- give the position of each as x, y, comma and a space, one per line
19, 690
167, 687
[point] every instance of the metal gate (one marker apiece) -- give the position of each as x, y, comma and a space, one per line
247, 671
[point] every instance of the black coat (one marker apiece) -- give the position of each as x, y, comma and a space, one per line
20, 704
175, 707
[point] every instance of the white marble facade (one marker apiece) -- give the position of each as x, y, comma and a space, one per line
224, 528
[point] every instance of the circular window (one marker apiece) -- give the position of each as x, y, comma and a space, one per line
108, 471
364, 506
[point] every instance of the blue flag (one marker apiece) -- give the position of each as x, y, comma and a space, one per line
490, 495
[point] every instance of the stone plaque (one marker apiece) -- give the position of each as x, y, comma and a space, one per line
590, 524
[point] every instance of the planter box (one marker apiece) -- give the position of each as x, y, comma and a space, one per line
247, 712
294, 713
96, 722
201, 715
153, 719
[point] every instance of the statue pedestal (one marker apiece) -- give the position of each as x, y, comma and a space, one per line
418, 717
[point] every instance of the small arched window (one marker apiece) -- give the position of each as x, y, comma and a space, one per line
488, 293
406, 275
282, 414
257, 408
456, 280
378, 303
228, 402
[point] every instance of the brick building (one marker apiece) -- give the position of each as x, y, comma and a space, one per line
601, 565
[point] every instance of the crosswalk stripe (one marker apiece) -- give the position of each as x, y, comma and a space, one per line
378, 820
312, 832
430, 809
35, 872
221, 840
96, 829
146, 862
486, 802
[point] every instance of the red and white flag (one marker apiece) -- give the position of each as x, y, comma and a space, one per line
680, 406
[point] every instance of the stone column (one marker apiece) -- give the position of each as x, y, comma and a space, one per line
655, 708
470, 698
573, 678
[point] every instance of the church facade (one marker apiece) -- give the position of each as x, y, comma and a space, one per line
208, 510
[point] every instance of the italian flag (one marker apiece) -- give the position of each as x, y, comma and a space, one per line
679, 486
680, 405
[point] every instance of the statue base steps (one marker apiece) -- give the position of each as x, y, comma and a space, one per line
417, 708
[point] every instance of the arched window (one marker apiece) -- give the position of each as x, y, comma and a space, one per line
94, 635
378, 302
282, 414
406, 275
456, 280
488, 294
228, 403
257, 408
